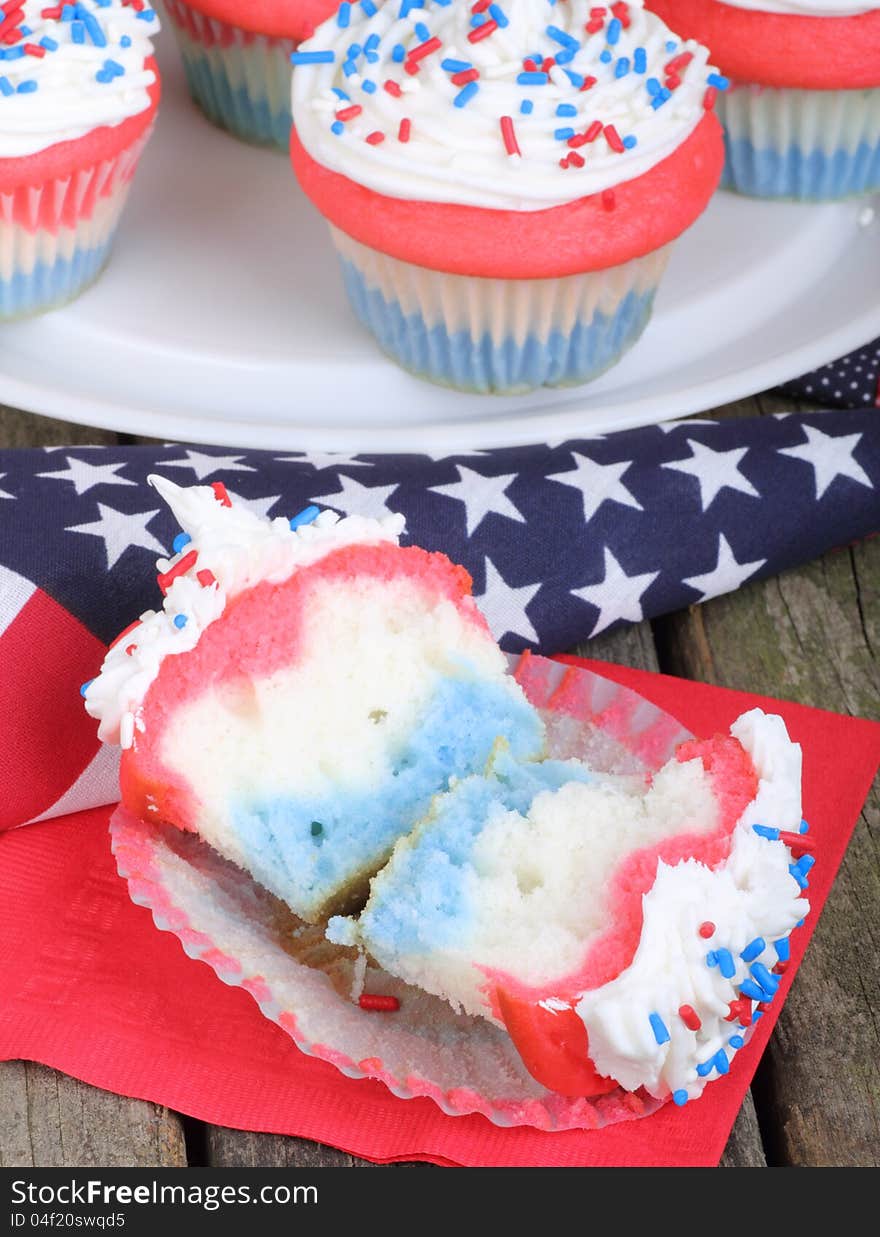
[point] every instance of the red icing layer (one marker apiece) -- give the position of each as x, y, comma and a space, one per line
775, 49
259, 632
65, 159
286, 19
580, 236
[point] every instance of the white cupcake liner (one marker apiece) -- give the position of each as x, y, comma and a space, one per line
309, 988
809, 145
240, 80
499, 335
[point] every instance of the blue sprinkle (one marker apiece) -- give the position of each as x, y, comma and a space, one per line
24, 30
559, 36
792, 867
754, 949
613, 32
455, 66
353, 51
736, 1041
180, 541
562, 135
658, 1026
114, 67
373, 41
630, 141
653, 86
606, 57
368, 7
85, 687
566, 109
659, 99
726, 964
671, 45
95, 33
759, 1013
806, 862
711, 958
706, 1067
125, 41
27, 87
640, 60
800, 923
565, 56
103, 76
621, 69
349, 68
368, 86
575, 78
343, 17
721, 1062
749, 988
13, 53
306, 516
763, 831
783, 949
398, 53
466, 93
145, 15
718, 81
680, 1098
526, 107
180, 620
767, 981
68, 12
804, 827
340, 94
49, 43
372, 57
337, 127
422, 31
532, 79
327, 57
6, 87
498, 16
77, 32
478, 19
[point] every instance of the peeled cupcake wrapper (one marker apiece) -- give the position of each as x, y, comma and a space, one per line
424, 1048
240, 80
499, 335
809, 145
55, 238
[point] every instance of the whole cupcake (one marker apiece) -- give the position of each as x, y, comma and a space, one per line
236, 54
78, 95
802, 117
503, 180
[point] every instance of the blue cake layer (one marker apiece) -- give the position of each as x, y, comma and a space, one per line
305, 849
50, 285
234, 107
420, 904
458, 359
807, 175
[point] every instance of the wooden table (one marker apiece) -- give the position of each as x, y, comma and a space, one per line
811, 635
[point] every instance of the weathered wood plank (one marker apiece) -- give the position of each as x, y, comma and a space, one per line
23, 429
812, 635
242, 1149
52, 1121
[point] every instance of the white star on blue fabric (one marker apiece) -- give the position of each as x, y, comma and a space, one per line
356, 499
598, 483
204, 465
504, 606
86, 476
480, 496
714, 471
617, 597
3, 493
830, 457
119, 531
726, 575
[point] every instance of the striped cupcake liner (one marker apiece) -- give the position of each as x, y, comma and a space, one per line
500, 336
310, 988
805, 145
56, 239
239, 79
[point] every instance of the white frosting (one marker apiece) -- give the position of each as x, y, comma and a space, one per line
752, 895
240, 549
803, 8
69, 98
458, 154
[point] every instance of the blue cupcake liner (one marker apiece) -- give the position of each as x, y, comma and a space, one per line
48, 285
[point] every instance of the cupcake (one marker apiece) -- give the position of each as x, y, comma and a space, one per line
78, 95
236, 54
625, 936
306, 688
802, 116
503, 181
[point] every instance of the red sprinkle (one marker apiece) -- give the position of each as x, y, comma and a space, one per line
480, 6
53, 14
579, 139
349, 113
707, 929
220, 493
373, 1001
206, 578
780, 968
709, 98
575, 159
34, 49
613, 138
621, 12
393, 88
424, 49
405, 129
375, 138
690, 1017
466, 75
547, 64
123, 634
740, 1010
482, 32
593, 131
589, 83
798, 843
679, 62
411, 67
130, 648
166, 578
508, 133
594, 25
530, 66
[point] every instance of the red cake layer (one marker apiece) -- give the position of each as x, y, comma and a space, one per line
592, 233
775, 49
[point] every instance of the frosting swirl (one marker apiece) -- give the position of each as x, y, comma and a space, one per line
522, 105
66, 69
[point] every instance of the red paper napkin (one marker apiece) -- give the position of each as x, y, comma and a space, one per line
92, 988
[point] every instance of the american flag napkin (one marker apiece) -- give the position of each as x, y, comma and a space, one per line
563, 541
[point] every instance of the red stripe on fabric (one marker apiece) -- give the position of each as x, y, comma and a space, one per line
46, 738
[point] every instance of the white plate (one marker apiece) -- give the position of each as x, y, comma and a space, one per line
222, 319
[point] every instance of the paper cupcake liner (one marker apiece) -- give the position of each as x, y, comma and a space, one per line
310, 988
55, 239
809, 145
239, 79
499, 335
